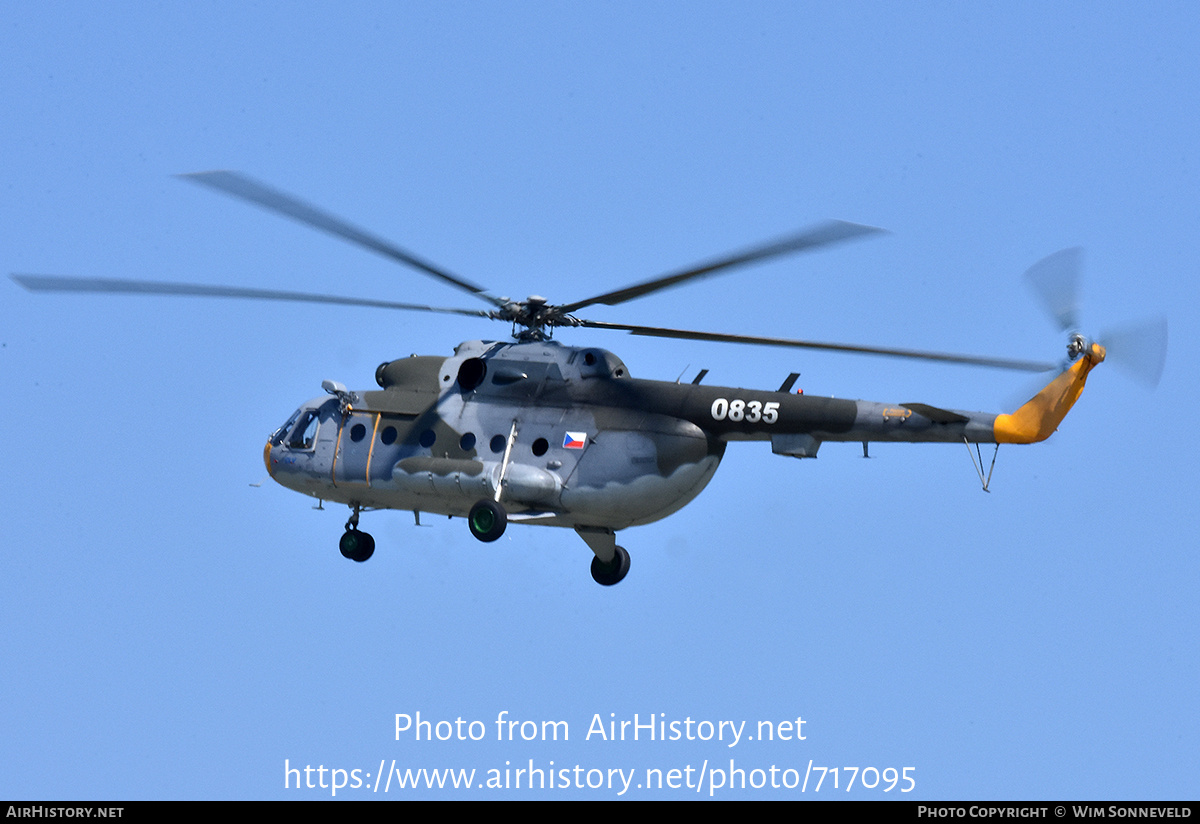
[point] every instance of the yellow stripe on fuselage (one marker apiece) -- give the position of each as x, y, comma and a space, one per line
371, 450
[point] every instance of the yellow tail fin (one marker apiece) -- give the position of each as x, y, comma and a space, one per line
1040, 416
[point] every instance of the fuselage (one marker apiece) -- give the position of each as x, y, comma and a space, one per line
563, 436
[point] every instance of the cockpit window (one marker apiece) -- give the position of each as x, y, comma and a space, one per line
304, 433
277, 436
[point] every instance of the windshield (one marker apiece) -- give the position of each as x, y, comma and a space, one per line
277, 436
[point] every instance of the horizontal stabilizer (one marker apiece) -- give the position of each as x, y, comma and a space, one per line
936, 415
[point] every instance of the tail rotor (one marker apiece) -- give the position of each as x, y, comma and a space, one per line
1138, 349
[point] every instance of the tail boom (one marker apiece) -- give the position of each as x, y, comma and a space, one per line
1040, 416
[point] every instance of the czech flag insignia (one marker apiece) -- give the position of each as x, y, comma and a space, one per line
575, 440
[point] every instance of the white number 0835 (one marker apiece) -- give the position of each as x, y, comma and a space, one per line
749, 411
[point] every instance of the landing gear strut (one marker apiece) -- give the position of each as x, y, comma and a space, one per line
611, 562
355, 545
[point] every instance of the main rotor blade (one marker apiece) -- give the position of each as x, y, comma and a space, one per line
59, 283
825, 234
685, 334
240, 186
1055, 279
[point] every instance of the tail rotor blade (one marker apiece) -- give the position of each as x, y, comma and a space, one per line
1139, 349
1055, 279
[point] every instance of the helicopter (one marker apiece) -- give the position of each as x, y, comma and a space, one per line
533, 431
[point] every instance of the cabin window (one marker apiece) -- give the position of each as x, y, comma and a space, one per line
427, 438
497, 444
467, 442
540, 446
388, 436
358, 432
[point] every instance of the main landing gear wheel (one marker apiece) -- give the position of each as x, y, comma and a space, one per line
487, 521
357, 546
612, 572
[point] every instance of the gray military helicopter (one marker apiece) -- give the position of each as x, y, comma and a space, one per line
536, 432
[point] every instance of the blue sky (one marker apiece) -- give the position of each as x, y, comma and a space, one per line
171, 631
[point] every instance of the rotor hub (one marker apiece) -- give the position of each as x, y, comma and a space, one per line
1076, 346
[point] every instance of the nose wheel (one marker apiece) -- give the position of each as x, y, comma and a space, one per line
355, 545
